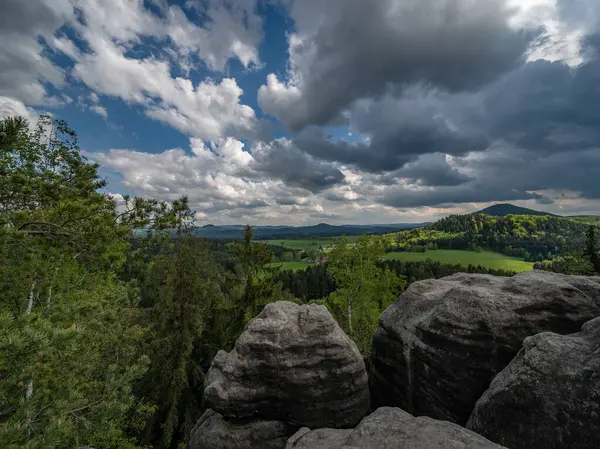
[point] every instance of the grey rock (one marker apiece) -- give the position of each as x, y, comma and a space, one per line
548, 397
392, 428
214, 432
292, 363
438, 347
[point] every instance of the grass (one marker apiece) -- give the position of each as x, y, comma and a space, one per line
308, 244
486, 259
294, 266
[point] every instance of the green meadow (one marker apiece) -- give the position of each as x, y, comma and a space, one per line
294, 266
486, 259
308, 244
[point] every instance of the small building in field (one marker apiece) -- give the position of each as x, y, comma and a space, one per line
323, 259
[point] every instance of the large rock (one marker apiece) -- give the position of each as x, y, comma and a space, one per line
548, 397
438, 347
392, 428
214, 432
292, 363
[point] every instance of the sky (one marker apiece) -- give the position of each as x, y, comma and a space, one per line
306, 111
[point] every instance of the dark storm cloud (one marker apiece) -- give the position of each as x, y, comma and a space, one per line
363, 46
546, 106
525, 170
401, 197
431, 170
545, 122
542, 108
510, 174
580, 14
283, 160
544, 200
402, 128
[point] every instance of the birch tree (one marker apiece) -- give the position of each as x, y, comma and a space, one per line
364, 289
70, 333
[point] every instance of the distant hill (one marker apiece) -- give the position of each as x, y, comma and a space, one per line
531, 237
502, 210
319, 230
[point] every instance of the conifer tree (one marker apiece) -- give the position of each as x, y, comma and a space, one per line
187, 283
70, 333
592, 253
260, 287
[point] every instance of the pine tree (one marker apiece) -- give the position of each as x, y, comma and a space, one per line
187, 283
364, 289
592, 253
70, 336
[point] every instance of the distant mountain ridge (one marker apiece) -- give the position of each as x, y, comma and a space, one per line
319, 230
502, 210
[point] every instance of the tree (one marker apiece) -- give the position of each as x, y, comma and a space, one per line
258, 281
71, 335
592, 253
364, 289
188, 288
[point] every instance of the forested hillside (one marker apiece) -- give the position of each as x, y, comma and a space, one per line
502, 210
534, 238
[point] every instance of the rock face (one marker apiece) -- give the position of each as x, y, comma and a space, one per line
548, 397
292, 366
392, 428
292, 363
213, 431
438, 347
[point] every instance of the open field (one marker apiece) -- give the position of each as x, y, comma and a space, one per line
309, 243
294, 266
486, 259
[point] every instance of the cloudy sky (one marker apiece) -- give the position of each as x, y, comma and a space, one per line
307, 111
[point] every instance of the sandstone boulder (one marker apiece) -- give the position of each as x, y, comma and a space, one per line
392, 428
294, 364
214, 432
438, 347
548, 397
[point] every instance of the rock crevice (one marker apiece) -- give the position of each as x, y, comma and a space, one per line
438, 347
548, 397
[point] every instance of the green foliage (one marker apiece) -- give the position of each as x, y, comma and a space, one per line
364, 289
188, 289
588, 219
258, 276
524, 236
71, 332
307, 282
79, 375
592, 253
586, 262
288, 256
464, 258
314, 244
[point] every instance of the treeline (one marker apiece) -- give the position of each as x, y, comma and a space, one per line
533, 238
586, 262
315, 282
